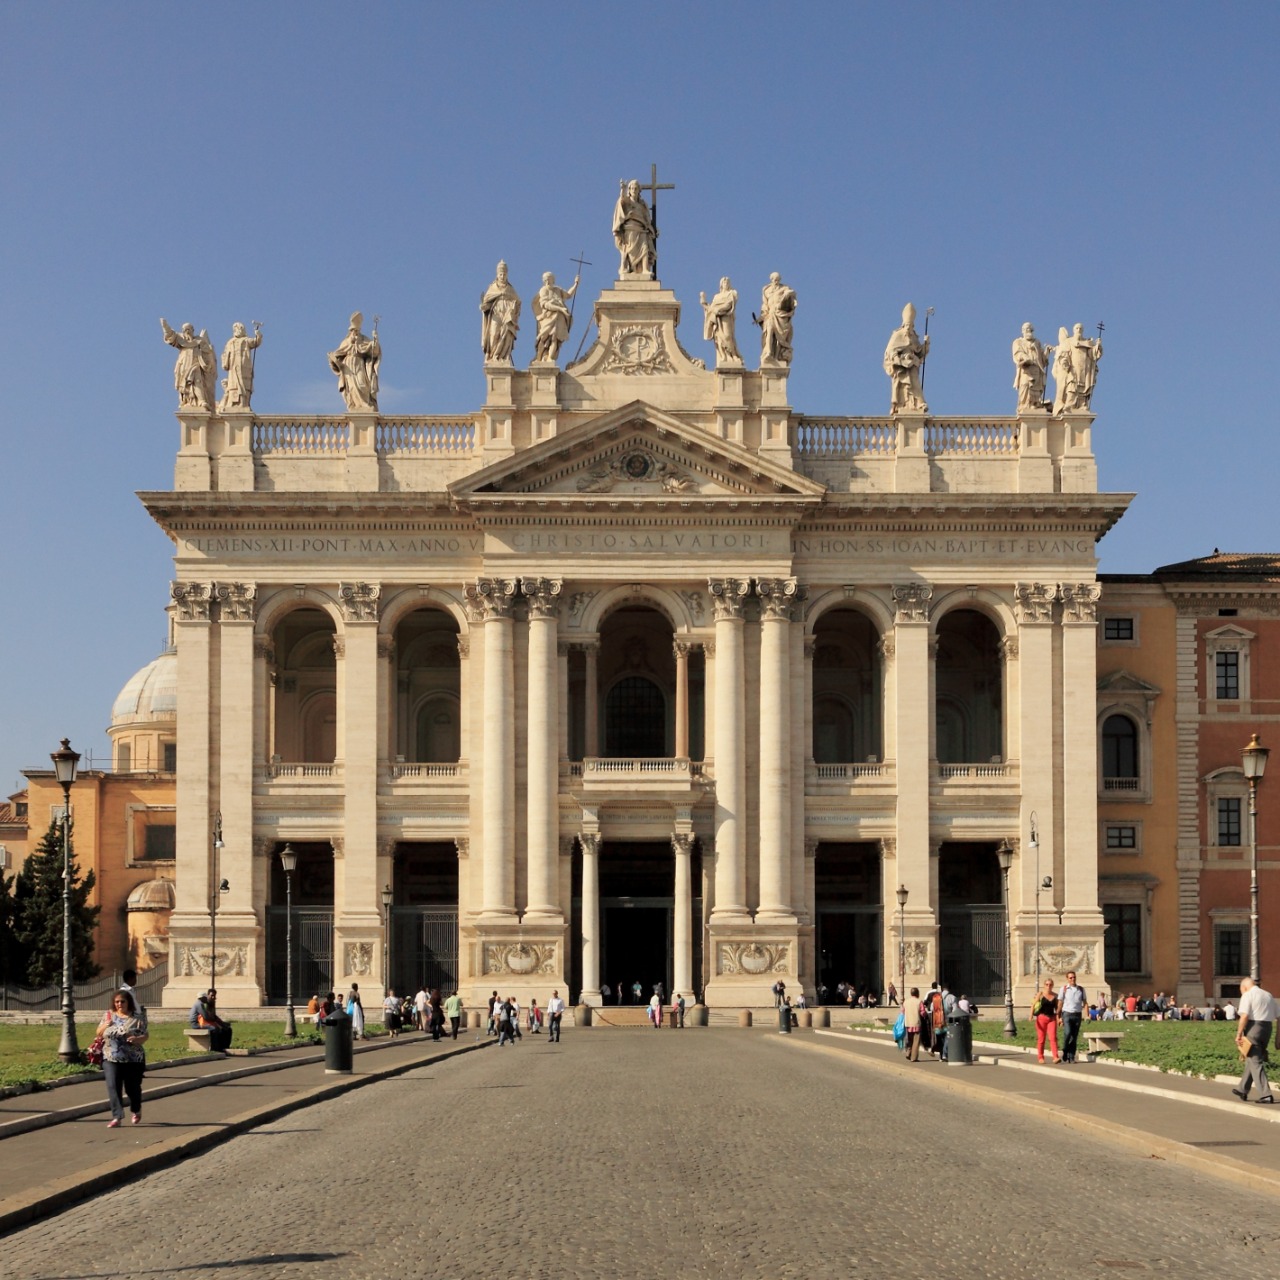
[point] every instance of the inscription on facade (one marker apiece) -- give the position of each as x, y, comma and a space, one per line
942, 546
320, 545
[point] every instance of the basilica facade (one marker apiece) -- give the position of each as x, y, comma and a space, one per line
636, 674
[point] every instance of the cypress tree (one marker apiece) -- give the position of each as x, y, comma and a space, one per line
38, 908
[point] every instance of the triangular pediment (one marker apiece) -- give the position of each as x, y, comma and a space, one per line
1126, 682
639, 454
1230, 633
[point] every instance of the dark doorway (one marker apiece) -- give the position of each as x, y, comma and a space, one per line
312, 924
971, 942
847, 895
637, 902
424, 917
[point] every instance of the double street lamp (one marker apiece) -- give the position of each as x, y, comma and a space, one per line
64, 768
1004, 855
1046, 883
289, 862
1255, 765
902, 942
220, 886
387, 898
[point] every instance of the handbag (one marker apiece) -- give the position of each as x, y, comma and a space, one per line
900, 1028
95, 1050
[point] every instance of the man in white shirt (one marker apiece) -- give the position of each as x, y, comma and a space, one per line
420, 1002
555, 1011
1257, 1016
1071, 1008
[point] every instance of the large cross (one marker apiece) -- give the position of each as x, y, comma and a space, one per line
653, 186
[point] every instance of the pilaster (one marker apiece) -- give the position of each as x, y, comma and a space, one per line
912, 711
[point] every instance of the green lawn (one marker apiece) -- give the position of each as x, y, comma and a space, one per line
31, 1052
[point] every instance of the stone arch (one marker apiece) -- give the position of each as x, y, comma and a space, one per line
285, 600
981, 600
866, 601
304, 669
426, 666
641, 595
403, 601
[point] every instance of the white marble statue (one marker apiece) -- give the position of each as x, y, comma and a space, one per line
904, 357
553, 316
777, 319
500, 318
1030, 365
634, 233
195, 373
718, 322
237, 360
1075, 371
356, 363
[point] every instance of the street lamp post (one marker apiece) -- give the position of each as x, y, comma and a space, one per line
1046, 883
1004, 855
64, 767
1255, 765
289, 861
387, 898
902, 941
220, 886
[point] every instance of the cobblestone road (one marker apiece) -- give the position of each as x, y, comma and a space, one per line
626, 1154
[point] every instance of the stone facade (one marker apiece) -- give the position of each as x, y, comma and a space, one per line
635, 673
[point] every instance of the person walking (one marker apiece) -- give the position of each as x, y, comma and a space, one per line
1071, 1009
535, 1018
1044, 1009
124, 1060
391, 1014
420, 1003
555, 1011
493, 1015
655, 1011
437, 1015
911, 1009
502, 1011
453, 1011
355, 1011
1257, 1016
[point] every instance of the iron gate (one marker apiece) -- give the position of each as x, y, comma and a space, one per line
312, 953
424, 949
972, 947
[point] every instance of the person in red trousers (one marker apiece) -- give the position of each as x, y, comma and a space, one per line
1044, 1009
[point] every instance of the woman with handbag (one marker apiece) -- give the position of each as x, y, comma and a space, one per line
1044, 1010
124, 1060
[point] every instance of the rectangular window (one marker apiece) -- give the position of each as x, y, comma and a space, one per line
1117, 628
1229, 821
1229, 949
1122, 837
1124, 936
1227, 669
170, 757
159, 843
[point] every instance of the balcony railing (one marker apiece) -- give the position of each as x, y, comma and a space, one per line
1122, 784
305, 773
312, 436
427, 775
976, 772
851, 772
839, 438
645, 771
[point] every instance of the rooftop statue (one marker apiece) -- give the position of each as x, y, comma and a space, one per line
776, 320
356, 363
195, 374
904, 358
634, 233
1030, 364
554, 318
500, 318
238, 360
1075, 370
718, 322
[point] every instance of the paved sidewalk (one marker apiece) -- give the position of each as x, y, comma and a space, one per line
56, 1149
1193, 1122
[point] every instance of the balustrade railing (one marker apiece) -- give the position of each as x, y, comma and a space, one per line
971, 437
401, 770
849, 772
322, 437
330, 436
1122, 784
676, 765
845, 437
425, 435
839, 438
961, 772
280, 769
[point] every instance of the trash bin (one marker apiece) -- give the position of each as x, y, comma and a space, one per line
959, 1046
337, 1044
784, 1019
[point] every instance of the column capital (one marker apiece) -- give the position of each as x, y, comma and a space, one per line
681, 648
1033, 601
264, 648
1009, 648
811, 844
463, 846
727, 596
681, 843
464, 646
263, 846
490, 598
339, 646
1080, 602
542, 595
888, 846
590, 842
193, 600
778, 596
810, 647
338, 844
237, 601
886, 648
911, 602
386, 646
359, 600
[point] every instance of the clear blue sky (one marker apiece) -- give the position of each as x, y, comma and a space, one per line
290, 163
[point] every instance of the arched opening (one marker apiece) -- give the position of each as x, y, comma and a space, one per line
847, 689
971, 919
312, 923
1119, 753
968, 690
847, 896
636, 670
306, 688
428, 692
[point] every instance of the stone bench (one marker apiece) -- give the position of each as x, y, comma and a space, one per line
199, 1038
1103, 1041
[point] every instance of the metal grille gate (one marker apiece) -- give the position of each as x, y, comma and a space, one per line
424, 949
312, 953
971, 943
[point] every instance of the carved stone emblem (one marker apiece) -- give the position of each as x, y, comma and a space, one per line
637, 349
519, 958
916, 957
754, 958
1062, 957
359, 957
637, 466
194, 961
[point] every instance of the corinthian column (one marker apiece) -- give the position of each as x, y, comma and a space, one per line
682, 926
681, 649
727, 595
590, 843
492, 599
777, 596
543, 598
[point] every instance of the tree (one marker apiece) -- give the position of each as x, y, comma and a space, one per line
38, 903
12, 954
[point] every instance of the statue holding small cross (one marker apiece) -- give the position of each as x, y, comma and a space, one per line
635, 228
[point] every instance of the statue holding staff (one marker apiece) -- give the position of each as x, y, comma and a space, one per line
904, 359
194, 373
718, 322
554, 317
776, 321
356, 363
500, 318
238, 361
1075, 370
1030, 365
634, 233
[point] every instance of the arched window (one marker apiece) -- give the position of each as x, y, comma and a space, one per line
969, 685
635, 719
1119, 753
438, 735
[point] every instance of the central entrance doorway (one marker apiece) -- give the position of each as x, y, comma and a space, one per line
847, 896
637, 906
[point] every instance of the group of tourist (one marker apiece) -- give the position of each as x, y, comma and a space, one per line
504, 1018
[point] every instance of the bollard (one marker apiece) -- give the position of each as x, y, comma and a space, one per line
697, 1016
821, 1017
337, 1044
581, 1015
805, 1017
477, 1019
744, 1017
